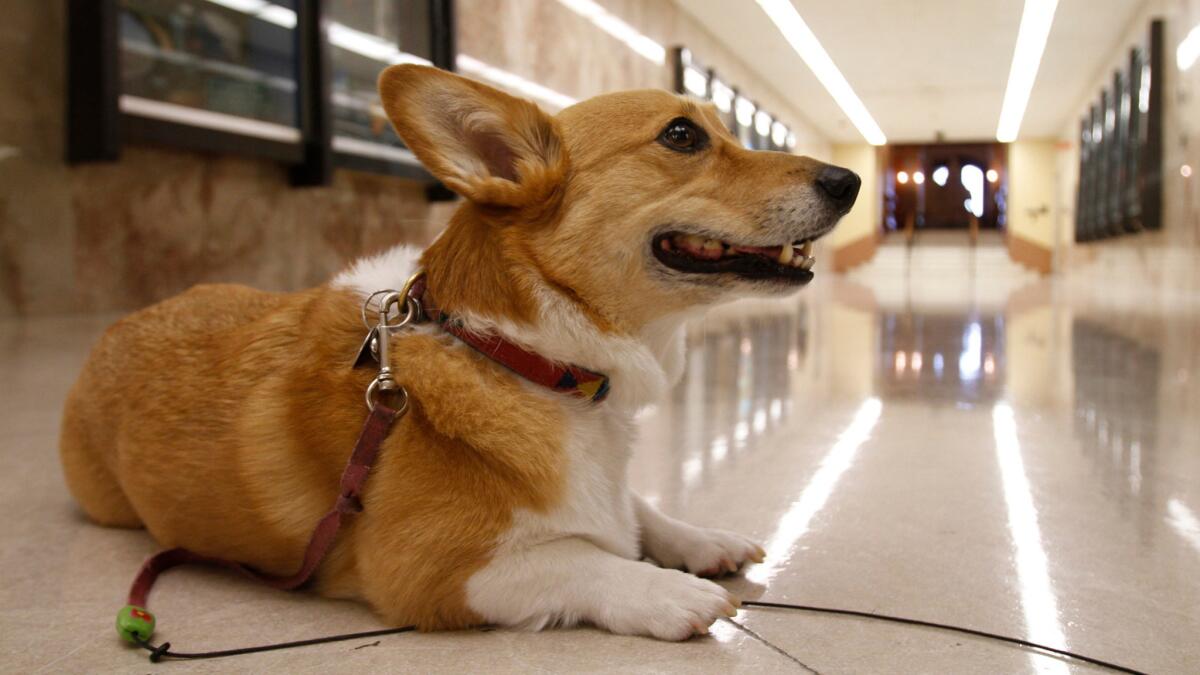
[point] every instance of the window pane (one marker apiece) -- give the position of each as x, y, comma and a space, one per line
366, 36
235, 57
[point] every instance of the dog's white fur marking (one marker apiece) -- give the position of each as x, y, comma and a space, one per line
579, 562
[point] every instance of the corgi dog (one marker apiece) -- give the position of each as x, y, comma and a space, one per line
220, 419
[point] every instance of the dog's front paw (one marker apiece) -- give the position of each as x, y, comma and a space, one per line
704, 552
668, 605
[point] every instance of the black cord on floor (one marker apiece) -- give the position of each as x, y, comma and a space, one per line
164, 650
944, 626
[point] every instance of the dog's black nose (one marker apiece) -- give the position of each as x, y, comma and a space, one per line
840, 185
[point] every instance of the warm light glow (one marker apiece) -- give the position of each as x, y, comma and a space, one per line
1185, 171
902, 177
989, 365
901, 362
474, 67
918, 177
941, 175
1038, 601
1189, 49
1036, 20
992, 176
791, 141
917, 361
795, 522
785, 17
609, 23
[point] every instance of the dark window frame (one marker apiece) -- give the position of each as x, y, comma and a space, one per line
97, 129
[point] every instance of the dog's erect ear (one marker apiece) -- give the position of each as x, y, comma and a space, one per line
487, 146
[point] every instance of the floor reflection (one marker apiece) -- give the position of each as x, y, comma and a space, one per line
941, 357
1116, 401
735, 389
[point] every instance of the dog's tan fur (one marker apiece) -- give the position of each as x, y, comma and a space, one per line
220, 419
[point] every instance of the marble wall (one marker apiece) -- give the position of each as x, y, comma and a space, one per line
115, 236
109, 237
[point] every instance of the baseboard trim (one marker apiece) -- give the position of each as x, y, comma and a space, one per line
1032, 255
855, 253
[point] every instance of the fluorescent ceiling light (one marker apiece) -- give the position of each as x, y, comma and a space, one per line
614, 26
512, 82
1188, 50
745, 111
762, 123
778, 133
722, 96
695, 81
800, 36
1036, 20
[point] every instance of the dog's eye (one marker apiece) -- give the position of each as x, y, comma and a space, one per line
682, 135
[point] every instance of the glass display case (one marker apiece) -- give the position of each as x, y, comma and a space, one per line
366, 36
1120, 172
228, 65
288, 80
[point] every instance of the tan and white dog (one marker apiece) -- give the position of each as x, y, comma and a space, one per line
220, 419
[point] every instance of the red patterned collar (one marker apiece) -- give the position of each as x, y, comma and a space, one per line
565, 378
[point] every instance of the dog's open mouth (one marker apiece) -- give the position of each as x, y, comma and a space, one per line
699, 255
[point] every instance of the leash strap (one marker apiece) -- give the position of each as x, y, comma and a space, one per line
563, 378
136, 624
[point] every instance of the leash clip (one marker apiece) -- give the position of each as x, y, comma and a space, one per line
379, 338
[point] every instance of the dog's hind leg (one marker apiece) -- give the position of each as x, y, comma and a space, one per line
88, 475
570, 581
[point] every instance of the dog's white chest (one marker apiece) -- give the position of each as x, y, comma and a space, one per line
596, 503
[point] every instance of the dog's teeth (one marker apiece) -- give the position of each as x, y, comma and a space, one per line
785, 254
806, 249
713, 246
807, 264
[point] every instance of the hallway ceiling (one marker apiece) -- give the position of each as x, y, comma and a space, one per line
923, 66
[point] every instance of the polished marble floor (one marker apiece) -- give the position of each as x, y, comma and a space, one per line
1026, 464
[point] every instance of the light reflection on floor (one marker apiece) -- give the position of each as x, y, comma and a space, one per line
1052, 413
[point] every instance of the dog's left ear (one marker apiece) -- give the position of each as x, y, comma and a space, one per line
487, 146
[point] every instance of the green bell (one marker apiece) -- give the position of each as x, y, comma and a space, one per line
135, 624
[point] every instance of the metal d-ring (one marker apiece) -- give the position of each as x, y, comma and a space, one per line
373, 392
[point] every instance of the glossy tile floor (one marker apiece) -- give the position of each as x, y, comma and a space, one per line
1027, 463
